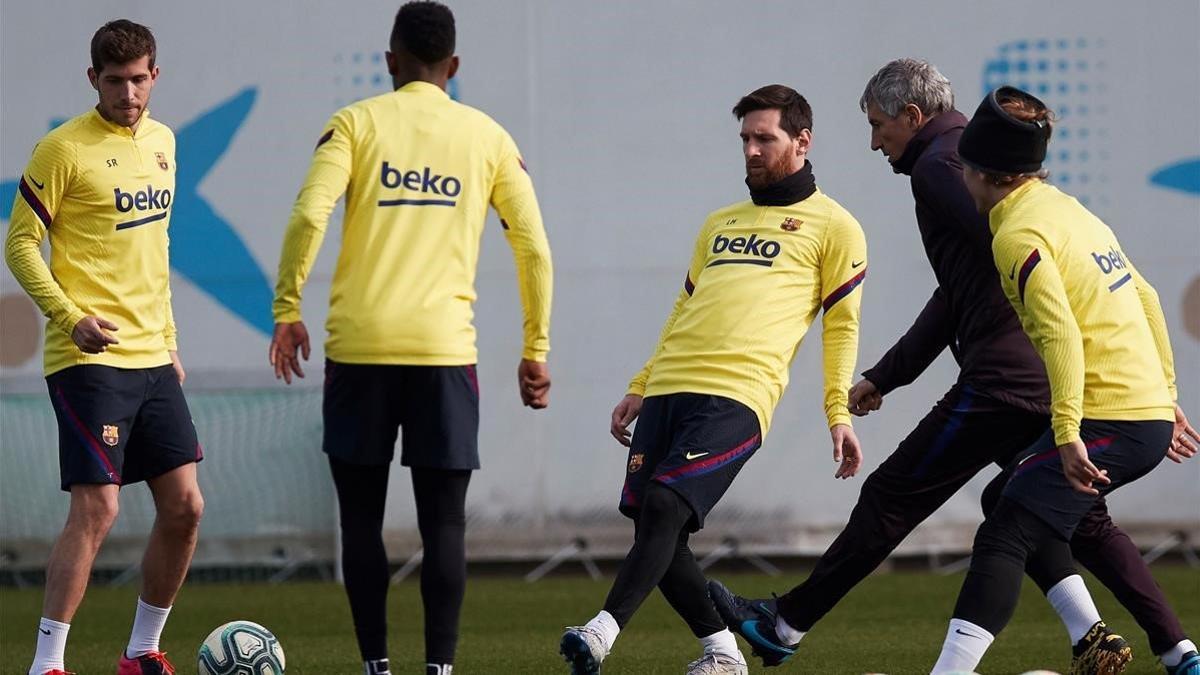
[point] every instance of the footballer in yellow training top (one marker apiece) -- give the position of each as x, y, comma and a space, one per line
419, 172
1098, 326
100, 187
761, 271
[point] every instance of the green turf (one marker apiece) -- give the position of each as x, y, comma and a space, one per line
892, 623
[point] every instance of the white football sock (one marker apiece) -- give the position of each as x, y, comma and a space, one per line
786, 633
1070, 598
51, 644
721, 642
607, 626
964, 648
148, 625
1174, 655
376, 667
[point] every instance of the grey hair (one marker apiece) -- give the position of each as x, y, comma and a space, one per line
905, 81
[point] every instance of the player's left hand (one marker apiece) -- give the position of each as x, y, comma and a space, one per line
1183, 439
289, 339
1080, 471
179, 371
533, 381
846, 451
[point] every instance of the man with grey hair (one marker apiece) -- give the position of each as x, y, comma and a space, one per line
998, 406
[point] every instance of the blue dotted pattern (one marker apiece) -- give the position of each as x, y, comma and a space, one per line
359, 75
1071, 76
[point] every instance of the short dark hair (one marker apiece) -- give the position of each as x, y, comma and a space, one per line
121, 41
425, 30
794, 112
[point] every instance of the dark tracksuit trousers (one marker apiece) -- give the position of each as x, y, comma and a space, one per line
966, 430
964, 433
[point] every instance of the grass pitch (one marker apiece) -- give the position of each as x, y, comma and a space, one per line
891, 623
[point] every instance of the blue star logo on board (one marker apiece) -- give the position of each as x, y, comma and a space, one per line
1182, 176
205, 248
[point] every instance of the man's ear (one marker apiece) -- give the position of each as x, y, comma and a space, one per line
913, 116
803, 142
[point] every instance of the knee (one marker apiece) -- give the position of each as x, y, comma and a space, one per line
991, 494
442, 517
434, 524
1014, 531
879, 484
1000, 534
990, 533
94, 508
662, 505
183, 513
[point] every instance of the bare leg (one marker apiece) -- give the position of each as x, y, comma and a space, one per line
179, 506
92, 514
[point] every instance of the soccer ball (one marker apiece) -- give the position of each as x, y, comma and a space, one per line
241, 648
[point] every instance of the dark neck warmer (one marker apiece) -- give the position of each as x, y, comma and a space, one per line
795, 188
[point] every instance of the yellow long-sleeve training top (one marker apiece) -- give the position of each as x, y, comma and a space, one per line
1094, 320
419, 171
103, 195
758, 277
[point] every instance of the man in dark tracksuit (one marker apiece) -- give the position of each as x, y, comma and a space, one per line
997, 408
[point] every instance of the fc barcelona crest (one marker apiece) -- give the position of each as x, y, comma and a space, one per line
635, 462
162, 161
110, 434
790, 224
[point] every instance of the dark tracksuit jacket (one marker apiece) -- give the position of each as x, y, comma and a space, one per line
968, 311
998, 407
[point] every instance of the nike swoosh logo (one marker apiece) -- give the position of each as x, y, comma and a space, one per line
858, 264
750, 632
40, 186
691, 456
1012, 274
959, 631
44, 631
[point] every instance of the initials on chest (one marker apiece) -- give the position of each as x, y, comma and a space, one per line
131, 180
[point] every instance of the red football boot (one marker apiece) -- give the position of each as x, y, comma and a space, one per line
154, 663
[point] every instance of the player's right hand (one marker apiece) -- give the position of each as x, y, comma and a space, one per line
623, 415
847, 451
91, 334
289, 339
1183, 439
863, 398
1080, 471
533, 382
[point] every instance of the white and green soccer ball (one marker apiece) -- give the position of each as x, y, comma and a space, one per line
241, 648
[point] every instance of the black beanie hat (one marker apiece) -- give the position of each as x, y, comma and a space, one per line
996, 142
